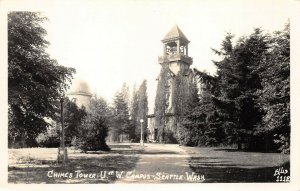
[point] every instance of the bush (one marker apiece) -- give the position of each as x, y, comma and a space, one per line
48, 140
92, 135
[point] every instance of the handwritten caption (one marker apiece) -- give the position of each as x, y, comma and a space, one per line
282, 175
78, 174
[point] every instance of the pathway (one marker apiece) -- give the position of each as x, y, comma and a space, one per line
160, 163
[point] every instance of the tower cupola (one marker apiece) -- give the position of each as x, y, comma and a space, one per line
175, 42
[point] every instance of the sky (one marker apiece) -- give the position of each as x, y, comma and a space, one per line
112, 42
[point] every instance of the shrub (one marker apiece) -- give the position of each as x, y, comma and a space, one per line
92, 135
48, 140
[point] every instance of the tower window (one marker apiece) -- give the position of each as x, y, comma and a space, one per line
171, 48
183, 50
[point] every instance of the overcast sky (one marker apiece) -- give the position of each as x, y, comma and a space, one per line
110, 43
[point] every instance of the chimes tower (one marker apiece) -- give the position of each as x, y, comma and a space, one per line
173, 86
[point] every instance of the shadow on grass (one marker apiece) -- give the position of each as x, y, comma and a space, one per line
160, 153
219, 172
88, 165
248, 151
130, 150
126, 152
119, 146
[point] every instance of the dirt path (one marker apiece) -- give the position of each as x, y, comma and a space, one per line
160, 163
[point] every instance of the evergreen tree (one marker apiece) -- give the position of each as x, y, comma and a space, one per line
125, 93
238, 81
142, 108
247, 102
274, 97
121, 121
252, 97
188, 129
201, 122
134, 110
94, 129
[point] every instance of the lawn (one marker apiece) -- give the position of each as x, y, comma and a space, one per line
38, 165
230, 165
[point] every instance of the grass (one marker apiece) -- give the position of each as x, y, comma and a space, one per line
32, 165
219, 165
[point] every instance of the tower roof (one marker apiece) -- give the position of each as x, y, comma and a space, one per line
175, 33
79, 86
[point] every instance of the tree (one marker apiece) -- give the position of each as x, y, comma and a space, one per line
187, 132
274, 97
200, 124
73, 118
238, 81
134, 110
142, 109
94, 130
35, 80
228, 99
125, 92
250, 93
120, 114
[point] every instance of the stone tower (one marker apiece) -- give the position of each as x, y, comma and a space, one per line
173, 85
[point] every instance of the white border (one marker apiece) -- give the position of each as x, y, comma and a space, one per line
34, 5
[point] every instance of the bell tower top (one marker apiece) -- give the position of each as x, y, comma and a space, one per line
175, 34
175, 47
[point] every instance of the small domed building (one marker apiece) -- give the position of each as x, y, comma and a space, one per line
80, 93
